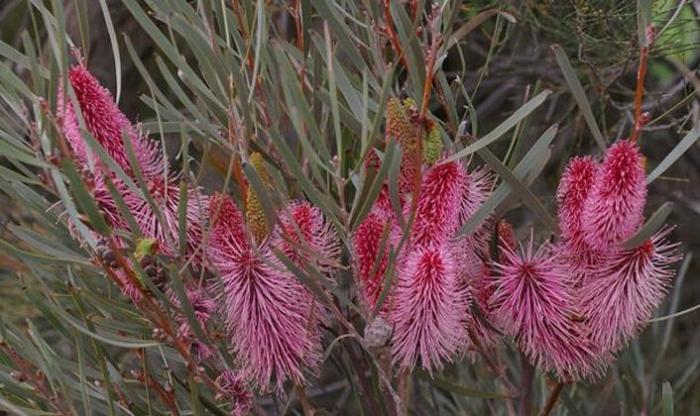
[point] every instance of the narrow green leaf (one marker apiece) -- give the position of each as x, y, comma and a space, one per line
523, 168
502, 128
391, 158
341, 32
458, 388
105, 337
652, 225
115, 48
677, 314
676, 153
667, 398
579, 95
519, 187
84, 199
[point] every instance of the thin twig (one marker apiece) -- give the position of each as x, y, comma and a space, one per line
389, 29
552, 401
525, 405
35, 378
435, 41
639, 120
306, 405
166, 395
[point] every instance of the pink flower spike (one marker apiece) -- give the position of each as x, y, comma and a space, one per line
437, 212
477, 191
268, 313
234, 389
614, 207
371, 256
227, 225
430, 309
305, 237
166, 195
106, 123
572, 192
627, 287
533, 303
202, 304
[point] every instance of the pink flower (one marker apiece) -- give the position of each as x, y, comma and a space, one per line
97, 185
226, 220
534, 304
106, 123
306, 238
475, 246
482, 289
128, 289
166, 196
430, 308
625, 290
442, 194
204, 307
233, 388
372, 242
267, 312
477, 191
202, 304
572, 193
614, 207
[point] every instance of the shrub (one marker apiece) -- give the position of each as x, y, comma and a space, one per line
316, 222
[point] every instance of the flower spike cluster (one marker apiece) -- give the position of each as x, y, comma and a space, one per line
272, 318
429, 302
620, 287
533, 301
615, 207
572, 306
109, 126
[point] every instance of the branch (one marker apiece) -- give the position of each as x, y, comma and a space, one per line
640, 119
553, 397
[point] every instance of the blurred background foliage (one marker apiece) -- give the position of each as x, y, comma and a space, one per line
500, 55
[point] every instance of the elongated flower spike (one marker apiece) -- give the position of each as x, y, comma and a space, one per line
232, 387
614, 208
305, 237
572, 192
478, 189
226, 222
534, 304
166, 196
375, 237
432, 149
107, 124
626, 288
267, 311
254, 213
430, 306
400, 128
438, 207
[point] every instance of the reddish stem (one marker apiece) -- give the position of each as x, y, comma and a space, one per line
167, 396
639, 120
389, 28
35, 378
552, 401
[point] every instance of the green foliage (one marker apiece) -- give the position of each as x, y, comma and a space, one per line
225, 80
